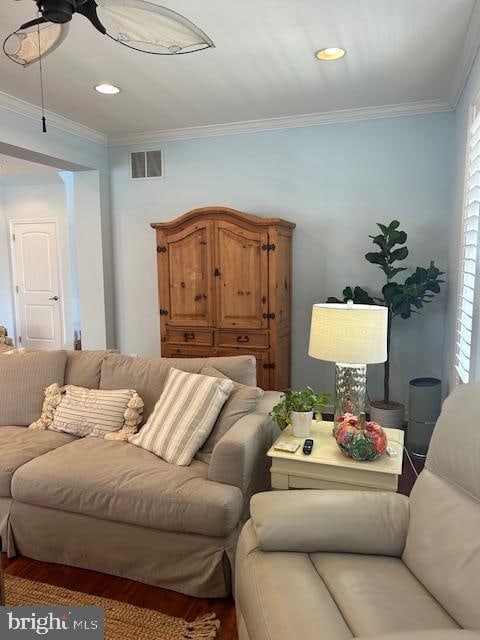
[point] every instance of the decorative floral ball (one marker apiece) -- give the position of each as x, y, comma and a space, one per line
359, 439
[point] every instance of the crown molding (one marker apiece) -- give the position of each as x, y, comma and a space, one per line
467, 57
287, 122
54, 120
21, 107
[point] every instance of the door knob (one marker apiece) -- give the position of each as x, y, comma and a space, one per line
54, 298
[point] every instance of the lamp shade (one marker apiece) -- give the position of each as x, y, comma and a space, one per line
349, 333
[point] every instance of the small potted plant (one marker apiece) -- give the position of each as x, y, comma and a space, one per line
298, 408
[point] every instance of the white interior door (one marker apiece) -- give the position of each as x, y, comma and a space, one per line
37, 284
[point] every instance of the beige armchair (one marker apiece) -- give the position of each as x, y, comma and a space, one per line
335, 565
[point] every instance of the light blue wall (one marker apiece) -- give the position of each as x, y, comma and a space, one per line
69, 181
335, 182
6, 302
460, 134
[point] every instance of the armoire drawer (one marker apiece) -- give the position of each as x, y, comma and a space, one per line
202, 337
246, 339
172, 351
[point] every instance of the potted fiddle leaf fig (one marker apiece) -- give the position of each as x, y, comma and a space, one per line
298, 408
401, 299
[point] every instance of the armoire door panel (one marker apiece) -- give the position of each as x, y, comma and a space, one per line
241, 271
190, 259
283, 281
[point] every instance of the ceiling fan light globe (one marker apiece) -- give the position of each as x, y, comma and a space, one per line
23, 47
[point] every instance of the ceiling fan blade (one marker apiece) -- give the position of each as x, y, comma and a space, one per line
150, 28
89, 10
24, 46
33, 23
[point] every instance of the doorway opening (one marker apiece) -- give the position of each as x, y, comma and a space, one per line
51, 260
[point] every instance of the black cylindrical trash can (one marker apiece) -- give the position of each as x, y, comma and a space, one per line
424, 405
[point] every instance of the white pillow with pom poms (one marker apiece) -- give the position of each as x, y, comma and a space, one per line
113, 415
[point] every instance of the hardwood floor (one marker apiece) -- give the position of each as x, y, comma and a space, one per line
141, 595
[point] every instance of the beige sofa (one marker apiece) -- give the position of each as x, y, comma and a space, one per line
113, 507
332, 565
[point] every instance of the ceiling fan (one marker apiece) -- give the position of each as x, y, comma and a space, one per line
138, 24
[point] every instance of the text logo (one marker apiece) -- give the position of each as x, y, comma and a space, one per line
27, 623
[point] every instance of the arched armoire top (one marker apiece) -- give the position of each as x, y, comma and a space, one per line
223, 213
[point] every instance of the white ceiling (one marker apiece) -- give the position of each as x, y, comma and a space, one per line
399, 51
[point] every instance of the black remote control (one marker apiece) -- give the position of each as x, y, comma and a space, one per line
308, 446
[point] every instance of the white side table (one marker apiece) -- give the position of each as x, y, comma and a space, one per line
327, 468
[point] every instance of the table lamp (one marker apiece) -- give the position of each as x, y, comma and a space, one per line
352, 336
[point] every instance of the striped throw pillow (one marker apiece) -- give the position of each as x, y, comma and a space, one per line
95, 412
184, 416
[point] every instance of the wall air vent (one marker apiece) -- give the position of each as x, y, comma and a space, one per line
146, 164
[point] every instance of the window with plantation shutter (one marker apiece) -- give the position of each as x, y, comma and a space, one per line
467, 317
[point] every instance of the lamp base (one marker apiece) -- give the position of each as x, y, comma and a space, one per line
350, 389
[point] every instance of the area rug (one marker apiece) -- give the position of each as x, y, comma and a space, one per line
122, 621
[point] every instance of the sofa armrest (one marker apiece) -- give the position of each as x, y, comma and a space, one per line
239, 458
431, 634
337, 521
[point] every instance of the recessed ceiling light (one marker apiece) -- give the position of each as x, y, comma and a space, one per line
107, 89
330, 53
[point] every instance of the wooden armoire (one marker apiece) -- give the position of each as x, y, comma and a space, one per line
225, 288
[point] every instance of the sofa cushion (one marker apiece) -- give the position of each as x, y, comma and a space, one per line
378, 594
19, 445
148, 375
241, 401
118, 481
281, 597
285, 595
84, 367
443, 545
23, 379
